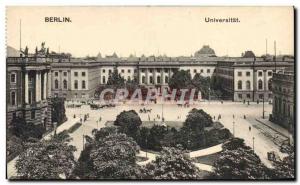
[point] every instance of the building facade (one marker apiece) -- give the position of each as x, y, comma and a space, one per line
28, 89
32, 79
283, 99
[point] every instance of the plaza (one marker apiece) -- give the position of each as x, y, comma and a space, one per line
266, 139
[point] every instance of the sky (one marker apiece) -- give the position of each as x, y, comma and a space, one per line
171, 31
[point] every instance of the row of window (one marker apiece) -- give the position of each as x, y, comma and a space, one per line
248, 96
66, 73
260, 73
65, 84
122, 71
260, 84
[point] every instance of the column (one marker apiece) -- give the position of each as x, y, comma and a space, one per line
26, 87
154, 76
36, 86
147, 76
40, 86
45, 86
162, 76
49, 83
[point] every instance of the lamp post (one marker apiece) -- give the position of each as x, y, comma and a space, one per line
253, 138
264, 107
233, 124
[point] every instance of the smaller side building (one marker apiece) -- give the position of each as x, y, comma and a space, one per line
283, 99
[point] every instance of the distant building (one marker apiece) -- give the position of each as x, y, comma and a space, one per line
242, 78
205, 51
283, 99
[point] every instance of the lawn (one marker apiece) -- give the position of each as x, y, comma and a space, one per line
207, 159
149, 124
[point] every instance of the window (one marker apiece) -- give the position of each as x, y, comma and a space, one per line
29, 96
13, 98
201, 71
248, 96
260, 84
32, 116
65, 73
122, 71
259, 73
248, 85
56, 84
103, 70
13, 78
135, 71
143, 70
240, 96
103, 80
128, 71
158, 70
151, 80
83, 84
82, 73
14, 115
166, 79
158, 80
239, 84
56, 74
143, 79
270, 73
150, 70
270, 95
75, 73
248, 73
65, 84
261, 96
83, 95
76, 84
270, 85
109, 71
208, 70
239, 73
166, 70
195, 70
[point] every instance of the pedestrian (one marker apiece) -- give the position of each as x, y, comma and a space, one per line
248, 102
74, 116
214, 117
249, 128
244, 116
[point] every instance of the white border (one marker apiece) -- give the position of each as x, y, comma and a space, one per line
4, 3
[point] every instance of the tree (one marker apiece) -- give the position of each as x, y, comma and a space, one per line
47, 159
114, 158
285, 168
25, 130
192, 134
172, 164
157, 134
58, 110
238, 163
180, 80
116, 80
129, 122
202, 84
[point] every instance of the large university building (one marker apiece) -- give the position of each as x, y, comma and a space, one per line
31, 79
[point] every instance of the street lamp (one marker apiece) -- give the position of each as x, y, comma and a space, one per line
253, 138
233, 123
264, 107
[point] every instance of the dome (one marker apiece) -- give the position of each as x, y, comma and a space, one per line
205, 51
249, 54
